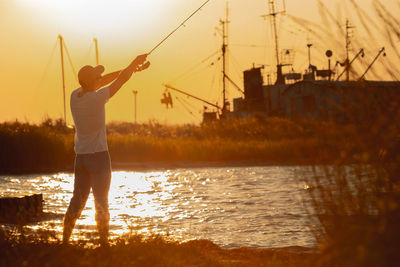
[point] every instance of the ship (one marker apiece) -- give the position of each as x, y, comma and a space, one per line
318, 93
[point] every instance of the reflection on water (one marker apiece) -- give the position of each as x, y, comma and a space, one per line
253, 207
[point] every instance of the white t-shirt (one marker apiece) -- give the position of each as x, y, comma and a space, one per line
88, 112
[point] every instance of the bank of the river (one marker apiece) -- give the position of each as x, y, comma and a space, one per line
27, 148
136, 251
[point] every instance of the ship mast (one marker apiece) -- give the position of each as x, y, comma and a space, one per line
96, 50
225, 29
272, 14
273, 18
63, 75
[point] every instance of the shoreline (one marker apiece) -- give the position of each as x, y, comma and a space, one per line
154, 251
167, 165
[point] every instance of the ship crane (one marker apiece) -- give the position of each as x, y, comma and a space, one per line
360, 53
373, 62
168, 100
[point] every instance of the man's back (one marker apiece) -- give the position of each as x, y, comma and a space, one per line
88, 112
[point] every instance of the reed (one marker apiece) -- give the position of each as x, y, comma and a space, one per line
48, 147
355, 208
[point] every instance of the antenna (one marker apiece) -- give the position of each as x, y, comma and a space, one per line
348, 42
272, 14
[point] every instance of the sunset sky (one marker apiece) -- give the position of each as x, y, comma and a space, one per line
30, 73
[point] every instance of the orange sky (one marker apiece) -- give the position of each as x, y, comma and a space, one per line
31, 78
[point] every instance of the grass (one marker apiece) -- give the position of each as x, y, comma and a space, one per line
48, 147
355, 208
43, 249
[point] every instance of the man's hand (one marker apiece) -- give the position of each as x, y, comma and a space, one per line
138, 64
143, 66
139, 60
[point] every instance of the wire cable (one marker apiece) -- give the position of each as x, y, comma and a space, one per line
47, 65
70, 62
40, 83
185, 107
193, 67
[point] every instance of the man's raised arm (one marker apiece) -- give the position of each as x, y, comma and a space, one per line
126, 74
108, 78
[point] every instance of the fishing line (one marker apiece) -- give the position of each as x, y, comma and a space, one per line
182, 24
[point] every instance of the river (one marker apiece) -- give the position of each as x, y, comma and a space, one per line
258, 207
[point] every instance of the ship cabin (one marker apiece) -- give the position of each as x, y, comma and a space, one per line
310, 98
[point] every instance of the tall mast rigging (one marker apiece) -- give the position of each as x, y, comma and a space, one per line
273, 12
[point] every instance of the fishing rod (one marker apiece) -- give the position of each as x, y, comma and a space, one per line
180, 25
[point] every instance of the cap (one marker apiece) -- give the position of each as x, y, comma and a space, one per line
88, 73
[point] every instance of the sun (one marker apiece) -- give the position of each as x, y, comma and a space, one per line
97, 16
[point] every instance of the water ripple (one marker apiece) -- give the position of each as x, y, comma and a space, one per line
234, 207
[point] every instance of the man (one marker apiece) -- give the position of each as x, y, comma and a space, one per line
92, 161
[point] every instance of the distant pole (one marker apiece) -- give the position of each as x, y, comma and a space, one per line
135, 108
348, 42
309, 55
329, 68
63, 75
97, 50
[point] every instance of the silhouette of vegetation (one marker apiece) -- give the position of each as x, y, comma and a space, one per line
355, 208
35, 148
42, 248
48, 147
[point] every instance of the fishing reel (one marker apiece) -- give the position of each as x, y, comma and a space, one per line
143, 66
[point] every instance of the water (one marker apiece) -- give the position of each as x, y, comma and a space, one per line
242, 206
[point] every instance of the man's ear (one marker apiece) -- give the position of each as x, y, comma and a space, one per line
82, 84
